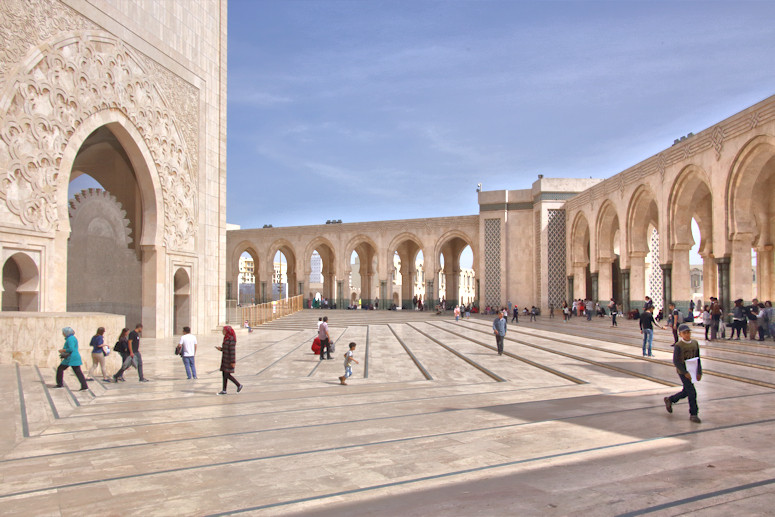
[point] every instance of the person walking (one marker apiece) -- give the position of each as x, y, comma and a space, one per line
686, 349
499, 329
457, 312
325, 343
228, 358
349, 359
673, 315
614, 311
739, 320
98, 354
647, 329
515, 314
134, 355
122, 347
188, 346
70, 359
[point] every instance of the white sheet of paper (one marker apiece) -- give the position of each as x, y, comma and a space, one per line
691, 367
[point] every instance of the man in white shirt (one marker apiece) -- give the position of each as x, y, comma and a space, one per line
188, 351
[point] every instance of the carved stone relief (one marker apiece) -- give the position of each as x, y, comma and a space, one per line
54, 79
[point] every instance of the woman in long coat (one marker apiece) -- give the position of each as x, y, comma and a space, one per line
70, 359
228, 358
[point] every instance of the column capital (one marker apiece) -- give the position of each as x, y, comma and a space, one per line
723, 260
638, 254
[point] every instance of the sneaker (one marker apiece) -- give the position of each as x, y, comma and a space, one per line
341, 380
122, 379
222, 392
57, 386
668, 405
89, 379
239, 388
144, 380
695, 419
84, 389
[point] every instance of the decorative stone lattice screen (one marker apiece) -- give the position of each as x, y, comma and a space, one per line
492, 261
556, 257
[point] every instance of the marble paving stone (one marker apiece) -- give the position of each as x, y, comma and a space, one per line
392, 443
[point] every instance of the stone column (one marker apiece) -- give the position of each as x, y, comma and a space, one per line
154, 284
765, 262
580, 282
625, 301
667, 285
339, 295
383, 297
429, 300
740, 273
709, 277
594, 296
681, 279
570, 290
724, 294
605, 280
263, 292
637, 277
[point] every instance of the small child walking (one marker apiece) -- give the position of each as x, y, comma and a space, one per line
348, 363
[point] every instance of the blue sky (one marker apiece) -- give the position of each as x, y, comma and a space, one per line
369, 110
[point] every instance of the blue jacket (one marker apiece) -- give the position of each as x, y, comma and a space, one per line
74, 359
499, 325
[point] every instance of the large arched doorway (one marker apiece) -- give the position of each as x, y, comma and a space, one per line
608, 250
751, 224
581, 280
21, 282
407, 257
105, 259
322, 271
645, 277
363, 266
693, 269
456, 274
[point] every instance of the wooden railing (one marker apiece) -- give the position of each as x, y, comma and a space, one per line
258, 314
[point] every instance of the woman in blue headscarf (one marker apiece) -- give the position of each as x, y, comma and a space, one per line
70, 358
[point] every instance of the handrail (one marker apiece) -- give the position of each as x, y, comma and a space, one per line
261, 313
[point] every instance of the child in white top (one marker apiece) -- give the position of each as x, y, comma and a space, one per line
348, 361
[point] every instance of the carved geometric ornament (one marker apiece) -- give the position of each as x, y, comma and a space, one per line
56, 87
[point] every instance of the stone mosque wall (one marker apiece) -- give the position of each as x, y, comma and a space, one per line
132, 94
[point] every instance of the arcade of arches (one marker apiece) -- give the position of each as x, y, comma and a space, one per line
626, 237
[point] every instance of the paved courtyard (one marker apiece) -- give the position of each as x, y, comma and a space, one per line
569, 421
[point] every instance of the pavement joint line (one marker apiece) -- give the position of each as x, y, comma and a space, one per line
48, 393
22, 405
590, 361
350, 422
387, 442
462, 356
480, 469
306, 340
320, 361
698, 497
366, 355
296, 410
262, 349
706, 357
414, 358
515, 356
705, 371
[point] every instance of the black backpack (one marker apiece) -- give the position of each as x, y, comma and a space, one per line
121, 347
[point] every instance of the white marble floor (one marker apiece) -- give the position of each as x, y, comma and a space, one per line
433, 422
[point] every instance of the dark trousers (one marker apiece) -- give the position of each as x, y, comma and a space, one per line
325, 344
128, 362
613, 319
499, 343
738, 325
229, 377
688, 391
715, 318
78, 373
675, 333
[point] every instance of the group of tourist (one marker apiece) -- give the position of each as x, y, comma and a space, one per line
128, 347
755, 321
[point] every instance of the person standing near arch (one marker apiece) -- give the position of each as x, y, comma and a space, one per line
228, 358
499, 329
325, 343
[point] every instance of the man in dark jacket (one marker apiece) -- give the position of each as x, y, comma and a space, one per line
685, 350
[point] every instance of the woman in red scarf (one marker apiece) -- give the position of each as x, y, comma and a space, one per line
228, 358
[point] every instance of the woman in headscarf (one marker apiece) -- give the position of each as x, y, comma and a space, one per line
70, 358
228, 358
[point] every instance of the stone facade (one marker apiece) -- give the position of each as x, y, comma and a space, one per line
133, 94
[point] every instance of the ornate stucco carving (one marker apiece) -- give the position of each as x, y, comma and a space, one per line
65, 72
